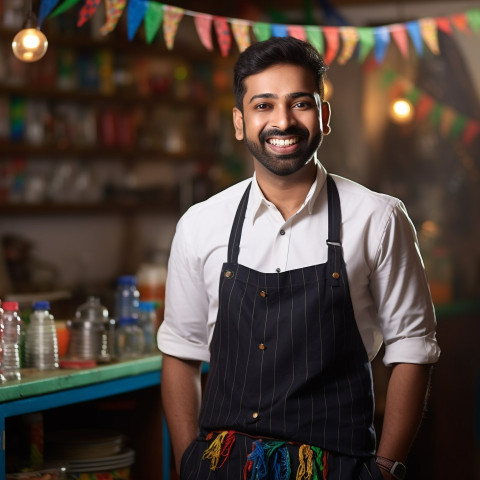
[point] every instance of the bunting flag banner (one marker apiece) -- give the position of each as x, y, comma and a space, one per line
416, 36
262, 31
449, 122
63, 7
297, 31
382, 40
428, 29
114, 10
328, 40
400, 37
203, 25
171, 20
333, 43
366, 40
223, 34
136, 12
349, 42
241, 33
46, 6
153, 20
87, 11
315, 37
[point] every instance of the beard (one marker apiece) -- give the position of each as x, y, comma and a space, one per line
287, 164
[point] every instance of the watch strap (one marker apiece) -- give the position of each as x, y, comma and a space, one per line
396, 469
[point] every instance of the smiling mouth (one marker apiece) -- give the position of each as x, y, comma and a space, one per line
283, 142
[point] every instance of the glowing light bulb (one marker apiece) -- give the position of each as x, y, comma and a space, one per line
401, 111
29, 45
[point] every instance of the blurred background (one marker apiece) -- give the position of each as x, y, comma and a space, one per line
107, 139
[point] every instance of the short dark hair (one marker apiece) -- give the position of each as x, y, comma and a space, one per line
277, 50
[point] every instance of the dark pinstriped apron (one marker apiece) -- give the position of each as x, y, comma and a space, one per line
287, 363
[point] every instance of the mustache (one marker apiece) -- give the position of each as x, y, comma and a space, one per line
289, 132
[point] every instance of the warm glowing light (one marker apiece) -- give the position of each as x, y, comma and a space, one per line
401, 111
29, 45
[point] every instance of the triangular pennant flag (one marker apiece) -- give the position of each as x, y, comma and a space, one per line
297, 31
382, 40
416, 36
460, 21
241, 33
114, 10
203, 24
428, 28
279, 30
153, 20
63, 7
171, 19
366, 40
443, 24
315, 37
472, 129
400, 37
436, 114
87, 11
262, 31
136, 11
46, 6
458, 126
333, 43
424, 107
473, 17
223, 35
349, 42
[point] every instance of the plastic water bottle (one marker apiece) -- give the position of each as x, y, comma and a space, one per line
147, 320
129, 339
41, 346
2, 377
10, 366
127, 297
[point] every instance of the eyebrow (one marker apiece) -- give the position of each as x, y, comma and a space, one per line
291, 96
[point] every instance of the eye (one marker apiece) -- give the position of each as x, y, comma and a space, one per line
261, 106
302, 105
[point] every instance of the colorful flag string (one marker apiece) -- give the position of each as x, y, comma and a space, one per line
338, 43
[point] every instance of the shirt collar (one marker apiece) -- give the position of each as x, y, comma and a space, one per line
258, 204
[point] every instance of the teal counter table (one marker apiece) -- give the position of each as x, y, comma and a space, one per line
39, 391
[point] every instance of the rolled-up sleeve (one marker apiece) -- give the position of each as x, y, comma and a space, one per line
400, 289
183, 332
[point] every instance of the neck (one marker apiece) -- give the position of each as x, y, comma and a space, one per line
286, 193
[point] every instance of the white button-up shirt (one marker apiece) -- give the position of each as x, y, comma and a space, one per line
388, 287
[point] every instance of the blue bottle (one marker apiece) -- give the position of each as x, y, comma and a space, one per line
127, 297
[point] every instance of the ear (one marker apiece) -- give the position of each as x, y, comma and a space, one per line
238, 123
326, 112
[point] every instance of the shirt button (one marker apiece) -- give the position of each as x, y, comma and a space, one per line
255, 415
278, 270
282, 232
262, 346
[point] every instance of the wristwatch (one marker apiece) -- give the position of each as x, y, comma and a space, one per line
396, 469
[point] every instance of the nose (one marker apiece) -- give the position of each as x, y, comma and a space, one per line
282, 118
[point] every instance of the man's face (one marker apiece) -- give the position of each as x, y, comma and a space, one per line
282, 122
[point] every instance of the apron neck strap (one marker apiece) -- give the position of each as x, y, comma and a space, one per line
236, 233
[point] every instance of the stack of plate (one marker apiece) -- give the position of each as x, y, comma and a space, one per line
92, 452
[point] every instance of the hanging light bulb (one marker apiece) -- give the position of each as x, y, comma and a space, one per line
401, 111
30, 44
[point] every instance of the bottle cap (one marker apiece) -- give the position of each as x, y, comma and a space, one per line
127, 280
10, 306
41, 305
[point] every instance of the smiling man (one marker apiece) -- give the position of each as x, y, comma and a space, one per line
288, 283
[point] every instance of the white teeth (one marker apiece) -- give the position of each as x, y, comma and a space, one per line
283, 143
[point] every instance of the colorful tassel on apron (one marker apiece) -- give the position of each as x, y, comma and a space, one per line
219, 449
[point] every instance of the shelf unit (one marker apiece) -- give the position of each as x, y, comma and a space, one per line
39, 391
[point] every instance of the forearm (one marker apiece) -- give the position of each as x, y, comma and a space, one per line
405, 404
181, 395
